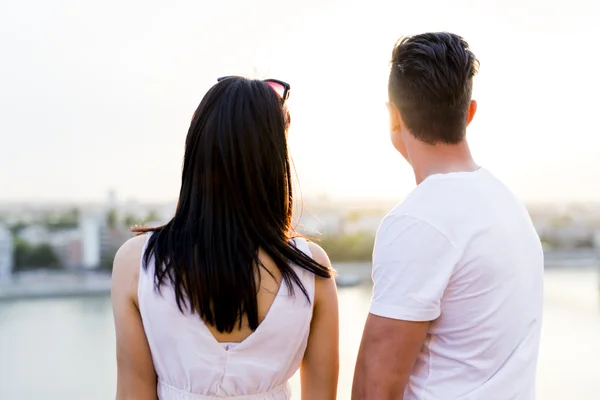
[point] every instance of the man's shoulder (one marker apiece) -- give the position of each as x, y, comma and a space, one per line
454, 204
424, 206
400, 224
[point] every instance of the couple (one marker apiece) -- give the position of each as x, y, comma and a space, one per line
227, 301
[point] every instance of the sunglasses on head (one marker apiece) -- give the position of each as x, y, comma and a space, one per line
281, 88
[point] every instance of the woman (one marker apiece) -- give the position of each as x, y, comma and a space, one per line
225, 301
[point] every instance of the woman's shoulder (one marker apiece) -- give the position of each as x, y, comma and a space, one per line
313, 250
325, 288
318, 254
126, 265
322, 285
130, 251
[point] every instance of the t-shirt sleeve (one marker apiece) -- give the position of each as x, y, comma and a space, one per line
412, 265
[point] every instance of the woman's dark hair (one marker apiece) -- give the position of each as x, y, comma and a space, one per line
235, 198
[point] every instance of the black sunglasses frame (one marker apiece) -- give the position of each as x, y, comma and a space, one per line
286, 86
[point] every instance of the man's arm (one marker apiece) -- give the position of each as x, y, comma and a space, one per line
387, 355
412, 265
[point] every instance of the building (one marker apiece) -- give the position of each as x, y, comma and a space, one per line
6, 253
35, 235
110, 241
90, 229
67, 245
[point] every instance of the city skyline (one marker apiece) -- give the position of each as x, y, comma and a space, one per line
95, 99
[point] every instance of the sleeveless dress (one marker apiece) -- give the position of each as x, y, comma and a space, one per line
192, 365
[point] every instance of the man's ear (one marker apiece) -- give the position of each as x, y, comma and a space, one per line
396, 130
395, 118
471, 112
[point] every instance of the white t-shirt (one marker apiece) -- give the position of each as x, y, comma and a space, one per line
461, 251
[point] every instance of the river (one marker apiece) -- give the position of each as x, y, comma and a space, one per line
63, 349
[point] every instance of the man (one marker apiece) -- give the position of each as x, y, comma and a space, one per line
458, 266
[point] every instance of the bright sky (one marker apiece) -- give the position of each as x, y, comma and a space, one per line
98, 95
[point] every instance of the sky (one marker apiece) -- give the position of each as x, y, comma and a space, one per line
97, 96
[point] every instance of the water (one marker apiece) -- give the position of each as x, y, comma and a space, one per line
64, 349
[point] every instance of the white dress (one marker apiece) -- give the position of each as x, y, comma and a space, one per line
192, 365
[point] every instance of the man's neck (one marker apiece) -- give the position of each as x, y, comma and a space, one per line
427, 160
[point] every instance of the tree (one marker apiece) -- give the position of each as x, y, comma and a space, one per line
21, 253
66, 220
548, 242
349, 248
585, 243
130, 221
29, 257
561, 221
151, 217
44, 256
17, 227
111, 218
106, 261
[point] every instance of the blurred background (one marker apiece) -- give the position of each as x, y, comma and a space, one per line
96, 97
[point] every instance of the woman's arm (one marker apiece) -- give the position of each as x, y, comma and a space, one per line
136, 378
320, 366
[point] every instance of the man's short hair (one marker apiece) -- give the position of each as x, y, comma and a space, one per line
431, 82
